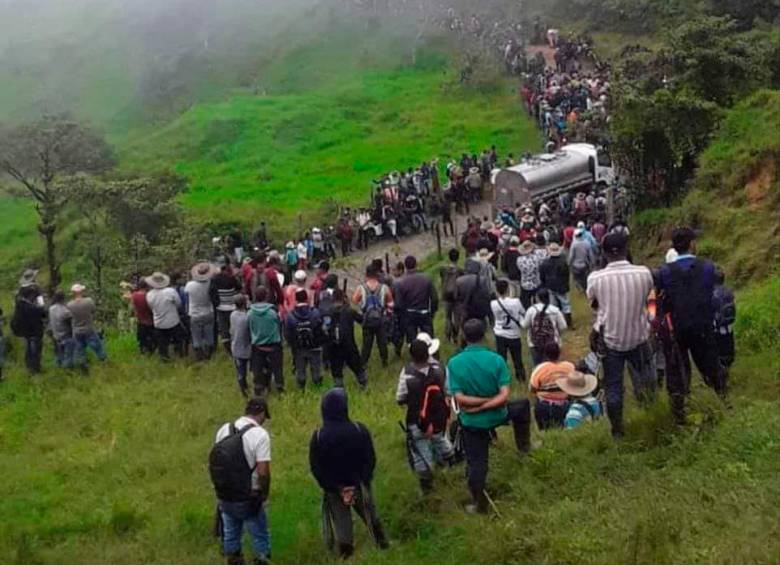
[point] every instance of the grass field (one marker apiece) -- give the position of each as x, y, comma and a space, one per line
112, 469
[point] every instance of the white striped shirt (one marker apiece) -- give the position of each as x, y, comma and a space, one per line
621, 291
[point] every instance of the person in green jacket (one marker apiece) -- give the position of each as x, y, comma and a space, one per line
265, 328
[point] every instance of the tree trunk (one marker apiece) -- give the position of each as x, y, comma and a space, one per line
48, 232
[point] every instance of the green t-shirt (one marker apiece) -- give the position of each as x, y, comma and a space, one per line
479, 371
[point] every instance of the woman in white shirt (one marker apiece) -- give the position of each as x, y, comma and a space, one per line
539, 330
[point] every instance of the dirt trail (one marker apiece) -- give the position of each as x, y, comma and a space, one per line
421, 246
548, 52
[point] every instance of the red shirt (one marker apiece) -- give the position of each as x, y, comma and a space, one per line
568, 236
141, 308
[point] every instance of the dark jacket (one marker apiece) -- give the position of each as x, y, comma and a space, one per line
345, 317
416, 383
415, 291
28, 320
687, 287
472, 293
509, 264
303, 313
341, 452
554, 272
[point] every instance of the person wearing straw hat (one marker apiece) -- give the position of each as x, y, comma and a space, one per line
583, 406
528, 266
83, 310
421, 390
554, 274
200, 307
165, 303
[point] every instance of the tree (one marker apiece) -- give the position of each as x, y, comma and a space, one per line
37, 156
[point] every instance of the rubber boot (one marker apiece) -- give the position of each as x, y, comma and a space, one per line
235, 559
521, 425
616, 419
677, 402
346, 550
426, 482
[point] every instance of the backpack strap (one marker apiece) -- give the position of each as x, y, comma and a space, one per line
508, 315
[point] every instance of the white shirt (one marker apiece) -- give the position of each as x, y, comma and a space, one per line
555, 315
199, 305
504, 326
257, 444
165, 304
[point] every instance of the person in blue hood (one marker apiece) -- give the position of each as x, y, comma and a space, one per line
342, 460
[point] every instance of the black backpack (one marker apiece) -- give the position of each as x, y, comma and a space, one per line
542, 329
304, 333
687, 299
434, 410
230, 473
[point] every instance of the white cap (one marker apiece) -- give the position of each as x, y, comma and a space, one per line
78, 288
300, 275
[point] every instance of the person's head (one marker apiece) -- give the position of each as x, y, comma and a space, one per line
257, 409
323, 268
225, 269
419, 352
301, 296
474, 330
540, 240
502, 287
78, 290
543, 296
410, 262
378, 265
615, 247
399, 269
334, 406
241, 301
551, 351
684, 240
59, 297
371, 272
300, 277
261, 294
142, 285
261, 258
331, 281
454, 255
338, 296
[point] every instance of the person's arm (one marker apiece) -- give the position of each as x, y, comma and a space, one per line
357, 296
465, 401
176, 298
402, 390
369, 464
434, 298
264, 478
315, 464
528, 318
498, 401
561, 322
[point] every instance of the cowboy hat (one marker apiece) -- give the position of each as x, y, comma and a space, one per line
203, 271
577, 384
433, 344
507, 229
485, 254
290, 245
554, 250
158, 280
527, 247
78, 287
28, 277
474, 170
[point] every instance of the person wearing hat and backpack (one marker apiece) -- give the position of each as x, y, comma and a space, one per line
200, 307
240, 469
583, 406
421, 390
165, 303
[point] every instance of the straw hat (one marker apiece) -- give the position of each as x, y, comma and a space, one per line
28, 277
577, 384
203, 271
527, 247
158, 280
433, 344
554, 250
299, 276
290, 245
474, 170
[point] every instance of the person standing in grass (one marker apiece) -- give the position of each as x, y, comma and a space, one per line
227, 287
554, 273
343, 349
265, 329
165, 303
478, 379
144, 330
2, 344
619, 294
200, 307
28, 323
545, 323
303, 331
61, 326
421, 389
241, 342
375, 300
508, 314
417, 298
240, 468
342, 460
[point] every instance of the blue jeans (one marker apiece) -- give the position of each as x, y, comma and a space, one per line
642, 379
561, 301
83, 341
33, 348
202, 332
237, 514
63, 352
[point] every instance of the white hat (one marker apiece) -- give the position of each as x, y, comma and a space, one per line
300, 275
433, 344
577, 384
78, 287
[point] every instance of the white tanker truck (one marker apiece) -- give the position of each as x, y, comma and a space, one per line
577, 166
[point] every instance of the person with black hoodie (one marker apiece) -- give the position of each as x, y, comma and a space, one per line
341, 339
28, 323
342, 460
